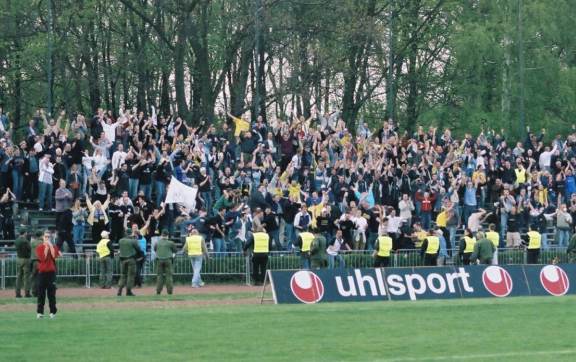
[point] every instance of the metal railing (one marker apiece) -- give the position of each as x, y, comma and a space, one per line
84, 268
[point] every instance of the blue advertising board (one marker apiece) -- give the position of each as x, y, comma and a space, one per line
388, 284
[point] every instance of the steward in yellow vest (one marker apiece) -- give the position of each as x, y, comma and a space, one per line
195, 248
260, 244
382, 250
304, 242
466, 247
533, 241
430, 248
106, 260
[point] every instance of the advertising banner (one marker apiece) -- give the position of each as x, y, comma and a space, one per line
388, 284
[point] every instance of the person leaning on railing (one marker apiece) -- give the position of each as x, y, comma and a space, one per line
483, 250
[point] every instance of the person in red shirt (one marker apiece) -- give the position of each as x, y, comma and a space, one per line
47, 254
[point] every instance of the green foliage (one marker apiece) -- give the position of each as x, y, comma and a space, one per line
454, 64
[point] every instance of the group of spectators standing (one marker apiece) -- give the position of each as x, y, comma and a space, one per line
286, 177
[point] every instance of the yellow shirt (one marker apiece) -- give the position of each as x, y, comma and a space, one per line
442, 219
241, 126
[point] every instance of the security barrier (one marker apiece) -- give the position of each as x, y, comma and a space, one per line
84, 268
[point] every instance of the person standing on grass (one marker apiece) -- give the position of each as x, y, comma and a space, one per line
165, 250
303, 242
467, 246
260, 243
483, 250
382, 250
431, 248
23, 253
128, 250
106, 260
195, 248
533, 241
47, 254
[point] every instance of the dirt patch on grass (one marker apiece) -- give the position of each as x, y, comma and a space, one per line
110, 300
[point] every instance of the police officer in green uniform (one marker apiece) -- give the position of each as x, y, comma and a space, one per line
483, 250
430, 248
165, 250
382, 250
36, 240
318, 257
128, 250
23, 252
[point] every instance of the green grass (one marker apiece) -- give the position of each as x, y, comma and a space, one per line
514, 329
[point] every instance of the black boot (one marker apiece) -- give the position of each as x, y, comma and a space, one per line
129, 293
28, 295
18, 295
119, 292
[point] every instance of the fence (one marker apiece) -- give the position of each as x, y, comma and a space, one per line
233, 266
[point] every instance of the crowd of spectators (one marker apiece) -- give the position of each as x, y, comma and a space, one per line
287, 175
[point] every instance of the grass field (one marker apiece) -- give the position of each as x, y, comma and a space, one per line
515, 329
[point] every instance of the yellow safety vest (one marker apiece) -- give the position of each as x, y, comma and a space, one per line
494, 237
384, 246
261, 242
306, 241
469, 244
194, 243
534, 240
520, 175
102, 248
433, 245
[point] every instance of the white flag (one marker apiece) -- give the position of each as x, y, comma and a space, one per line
178, 193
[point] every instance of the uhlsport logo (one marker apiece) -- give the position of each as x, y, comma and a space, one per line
554, 280
307, 287
497, 281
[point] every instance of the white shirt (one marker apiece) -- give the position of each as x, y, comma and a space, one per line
406, 208
46, 172
110, 130
361, 223
394, 224
118, 159
100, 162
334, 249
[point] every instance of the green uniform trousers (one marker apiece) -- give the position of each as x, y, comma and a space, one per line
23, 266
34, 277
106, 265
127, 273
164, 275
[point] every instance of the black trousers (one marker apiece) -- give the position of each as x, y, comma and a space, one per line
430, 259
381, 261
532, 256
64, 227
46, 288
30, 186
466, 258
259, 262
